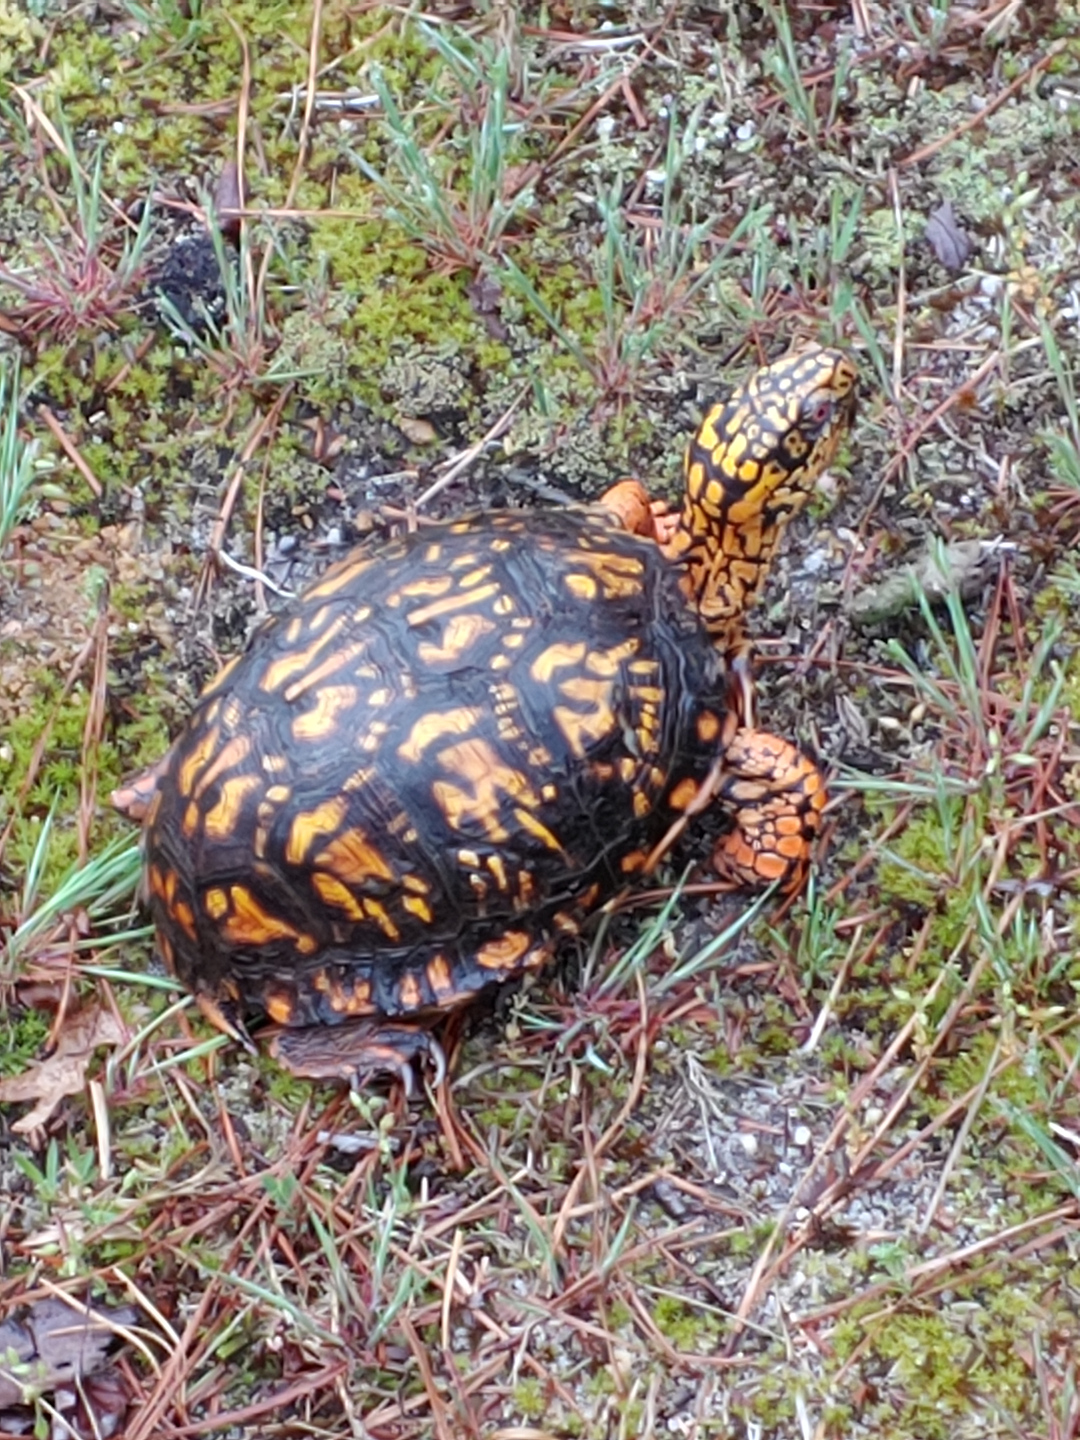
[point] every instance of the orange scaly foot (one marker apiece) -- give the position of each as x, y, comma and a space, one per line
628, 501
777, 795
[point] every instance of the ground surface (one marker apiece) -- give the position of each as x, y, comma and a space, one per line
734, 1172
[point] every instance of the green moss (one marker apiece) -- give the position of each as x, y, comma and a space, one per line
57, 779
20, 37
22, 1037
530, 1399
688, 1327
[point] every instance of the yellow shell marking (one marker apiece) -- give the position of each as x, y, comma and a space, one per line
279, 1007
333, 662
451, 603
349, 999
556, 657
250, 924
202, 753
374, 911
430, 728
484, 779
439, 975
353, 860
222, 676
427, 589
298, 661
608, 662
330, 701
619, 575
708, 726
373, 739
418, 907
503, 953
216, 902
534, 827
474, 577
462, 632
580, 728
182, 913
410, 996
338, 578
683, 794
324, 819
582, 587
220, 821
330, 890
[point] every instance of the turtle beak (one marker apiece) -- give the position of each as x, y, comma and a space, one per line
846, 384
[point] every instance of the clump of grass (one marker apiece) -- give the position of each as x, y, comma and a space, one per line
239, 347
177, 22
99, 890
1064, 443
459, 201
645, 279
90, 278
17, 457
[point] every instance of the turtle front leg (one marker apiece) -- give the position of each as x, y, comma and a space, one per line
629, 504
776, 795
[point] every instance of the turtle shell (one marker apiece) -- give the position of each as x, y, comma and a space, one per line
443, 755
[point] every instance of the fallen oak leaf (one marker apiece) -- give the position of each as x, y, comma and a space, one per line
62, 1073
51, 1343
55, 1347
959, 565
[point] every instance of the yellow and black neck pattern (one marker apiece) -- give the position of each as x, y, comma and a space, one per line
752, 465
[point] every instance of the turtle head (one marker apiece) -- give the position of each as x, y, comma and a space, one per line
754, 462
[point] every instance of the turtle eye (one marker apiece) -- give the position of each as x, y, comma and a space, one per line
819, 414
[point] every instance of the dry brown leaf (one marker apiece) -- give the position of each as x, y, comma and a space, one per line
64, 1072
420, 432
947, 238
958, 565
52, 1343
55, 1348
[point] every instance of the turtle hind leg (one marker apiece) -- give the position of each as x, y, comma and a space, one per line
776, 795
134, 798
357, 1051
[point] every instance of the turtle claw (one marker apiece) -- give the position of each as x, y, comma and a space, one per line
742, 691
665, 522
224, 1015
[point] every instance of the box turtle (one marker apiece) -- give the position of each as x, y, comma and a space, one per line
455, 745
